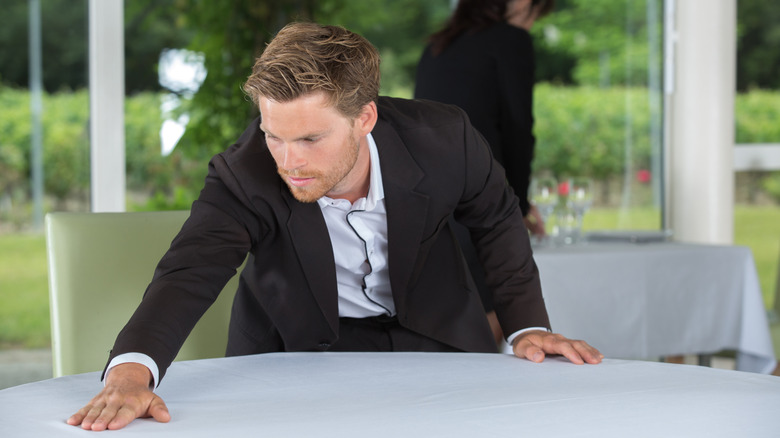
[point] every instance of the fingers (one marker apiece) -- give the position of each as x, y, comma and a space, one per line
116, 414
92, 416
118, 420
125, 397
97, 416
535, 227
78, 417
534, 223
568, 351
114, 408
528, 346
534, 346
99, 419
588, 353
158, 410
536, 354
88, 416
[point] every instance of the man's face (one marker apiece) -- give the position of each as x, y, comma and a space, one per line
317, 150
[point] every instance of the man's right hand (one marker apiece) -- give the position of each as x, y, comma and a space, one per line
125, 397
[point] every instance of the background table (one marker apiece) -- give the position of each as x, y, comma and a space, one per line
648, 300
420, 395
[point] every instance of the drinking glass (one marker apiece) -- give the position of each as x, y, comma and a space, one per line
578, 201
544, 195
580, 195
568, 225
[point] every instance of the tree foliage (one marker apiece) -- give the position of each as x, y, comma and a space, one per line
63, 43
758, 45
574, 44
230, 34
150, 26
598, 42
399, 30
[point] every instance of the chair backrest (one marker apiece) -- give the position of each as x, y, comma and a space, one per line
99, 267
777, 293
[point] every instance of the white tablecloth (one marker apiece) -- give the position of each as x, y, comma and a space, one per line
640, 301
420, 395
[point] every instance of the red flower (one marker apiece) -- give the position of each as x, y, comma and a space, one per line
644, 176
563, 188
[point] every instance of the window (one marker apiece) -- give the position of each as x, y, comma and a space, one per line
757, 150
44, 157
598, 106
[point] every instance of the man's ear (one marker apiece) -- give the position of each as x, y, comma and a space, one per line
367, 118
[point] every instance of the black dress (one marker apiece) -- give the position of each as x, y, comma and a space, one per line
490, 74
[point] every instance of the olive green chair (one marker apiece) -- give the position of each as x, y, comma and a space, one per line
774, 317
99, 267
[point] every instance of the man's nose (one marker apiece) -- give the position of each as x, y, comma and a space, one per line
292, 158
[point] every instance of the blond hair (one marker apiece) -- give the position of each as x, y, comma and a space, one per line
306, 57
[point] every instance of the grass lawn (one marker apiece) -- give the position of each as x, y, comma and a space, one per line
759, 229
24, 299
24, 292
612, 219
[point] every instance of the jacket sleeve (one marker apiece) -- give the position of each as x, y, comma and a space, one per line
204, 255
489, 209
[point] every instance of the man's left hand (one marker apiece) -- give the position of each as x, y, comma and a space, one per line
534, 345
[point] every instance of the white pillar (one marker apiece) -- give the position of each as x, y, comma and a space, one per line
106, 104
701, 123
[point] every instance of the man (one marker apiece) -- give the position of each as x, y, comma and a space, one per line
342, 200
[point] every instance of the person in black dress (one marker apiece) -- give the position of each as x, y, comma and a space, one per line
483, 62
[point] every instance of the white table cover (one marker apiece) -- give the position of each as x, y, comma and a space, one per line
640, 301
420, 395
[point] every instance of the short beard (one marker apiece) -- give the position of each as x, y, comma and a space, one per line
323, 183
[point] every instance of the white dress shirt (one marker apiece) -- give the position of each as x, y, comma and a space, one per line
358, 234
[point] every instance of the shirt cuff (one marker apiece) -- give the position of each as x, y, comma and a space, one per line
507, 348
139, 358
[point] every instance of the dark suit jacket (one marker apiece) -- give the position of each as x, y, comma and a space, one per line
434, 165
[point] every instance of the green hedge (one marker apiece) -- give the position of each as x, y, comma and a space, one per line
584, 130
758, 117
65, 143
66, 148
580, 130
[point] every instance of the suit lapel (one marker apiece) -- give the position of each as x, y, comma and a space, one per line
312, 244
406, 209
